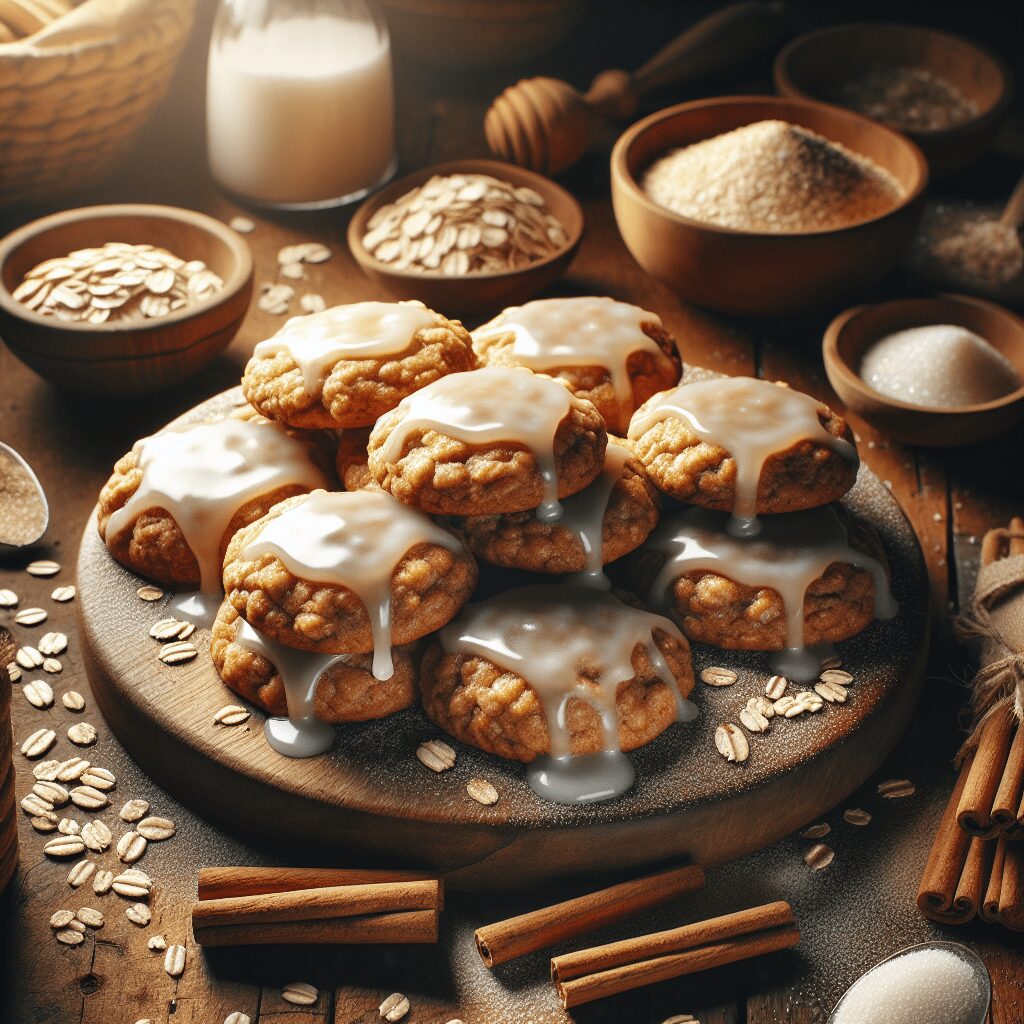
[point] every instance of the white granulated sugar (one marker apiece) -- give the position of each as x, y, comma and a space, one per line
772, 177
924, 986
940, 366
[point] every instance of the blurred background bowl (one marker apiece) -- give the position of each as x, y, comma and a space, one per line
130, 357
751, 273
849, 335
471, 295
817, 66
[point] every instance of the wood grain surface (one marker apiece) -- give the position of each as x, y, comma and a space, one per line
851, 915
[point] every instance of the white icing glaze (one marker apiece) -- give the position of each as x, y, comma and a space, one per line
352, 539
363, 330
301, 734
583, 514
581, 780
597, 331
486, 406
752, 420
546, 634
791, 552
203, 474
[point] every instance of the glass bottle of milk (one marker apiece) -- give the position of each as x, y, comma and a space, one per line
300, 104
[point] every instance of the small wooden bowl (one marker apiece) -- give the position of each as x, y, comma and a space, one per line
125, 358
472, 295
817, 65
751, 273
849, 335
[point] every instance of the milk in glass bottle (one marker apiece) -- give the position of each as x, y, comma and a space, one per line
300, 104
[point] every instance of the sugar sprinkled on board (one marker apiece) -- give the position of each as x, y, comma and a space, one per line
907, 98
939, 366
919, 987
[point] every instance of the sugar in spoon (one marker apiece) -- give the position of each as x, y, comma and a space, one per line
24, 510
935, 981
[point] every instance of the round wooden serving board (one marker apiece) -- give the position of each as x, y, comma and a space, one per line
369, 799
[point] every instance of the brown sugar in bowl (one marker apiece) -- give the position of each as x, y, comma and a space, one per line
849, 335
135, 357
471, 295
753, 273
817, 65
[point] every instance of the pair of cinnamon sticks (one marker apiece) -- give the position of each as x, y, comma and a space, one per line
992, 801
589, 974
968, 875
241, 906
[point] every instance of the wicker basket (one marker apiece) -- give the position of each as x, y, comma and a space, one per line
73, 96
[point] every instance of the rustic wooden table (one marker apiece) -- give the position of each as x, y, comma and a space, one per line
853, 914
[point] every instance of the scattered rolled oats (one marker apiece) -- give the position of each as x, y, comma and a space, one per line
102, 881
73, 700
69, 827
13, 670
52, 665
237, 1017
836, 675
133, 884
8, 599
28, 658
833, 662
72, 769
64, 846
61, 919
46, 771
293, 271
816, 831
437, 755
856, 816
243, 225
38, 693
834, 693
300, 993
30, 616
150, 593
716, 676
776, 687
231, 714
482, 792
174, 961
177, 653
731, 742
38, 743
43, 567
90, 917
44, 822
155, 829
35, 804
96, 836
788, 707
312, 303
753, 719
895, 789
53, 643
140, 914
275, 298
133, 810
157, 943
395, 1007
52, 792
131, 846
819, 857
168, 629
810, 700
89, 798
70, 937
63, 594
98, 778
82, 734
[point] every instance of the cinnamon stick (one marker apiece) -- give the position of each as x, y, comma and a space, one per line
1008, 796
937, 893
607, 970
1011, 889
415, 926
219, 882
311, 904
974, 813
990, 904
505, 940
970, 890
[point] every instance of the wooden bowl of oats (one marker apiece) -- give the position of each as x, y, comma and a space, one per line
123, 299
468, 237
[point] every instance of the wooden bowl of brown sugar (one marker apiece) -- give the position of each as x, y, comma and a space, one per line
122, 356
946, 93
750, 270
455, 291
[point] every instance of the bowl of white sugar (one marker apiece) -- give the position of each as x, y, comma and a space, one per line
936, 372
760, 206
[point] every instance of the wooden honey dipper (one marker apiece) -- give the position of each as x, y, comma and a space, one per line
545, 124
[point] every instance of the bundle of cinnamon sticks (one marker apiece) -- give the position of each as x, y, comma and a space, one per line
968, 875
241, 906
992, 802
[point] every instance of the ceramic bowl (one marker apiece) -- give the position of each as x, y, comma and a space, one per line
127, 358
849, 335
747, 272
818, 64
471, 295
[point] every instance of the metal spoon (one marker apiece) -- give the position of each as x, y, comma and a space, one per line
977, 1012
19, 486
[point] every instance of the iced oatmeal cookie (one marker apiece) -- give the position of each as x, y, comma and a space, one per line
346, 366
